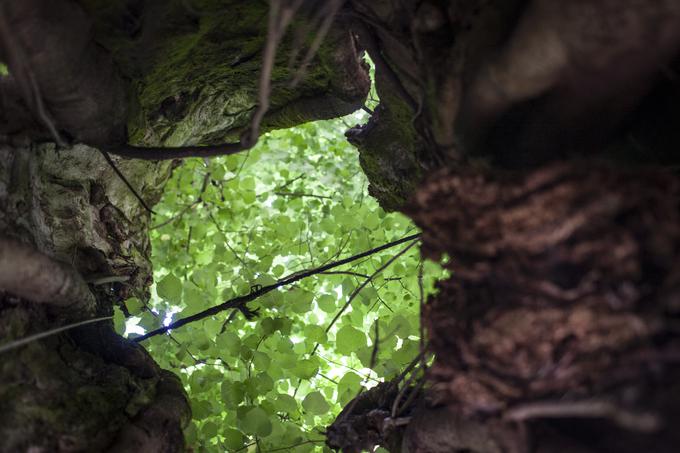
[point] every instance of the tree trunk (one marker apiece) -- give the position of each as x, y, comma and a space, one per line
557, 208
74, 240
535, 142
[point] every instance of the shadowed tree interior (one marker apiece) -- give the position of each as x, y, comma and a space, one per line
533, 142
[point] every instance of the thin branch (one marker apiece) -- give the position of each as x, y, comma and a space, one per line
376, 345
179, 215
188, 247
31, 338
395, 404
421, 327
124, 179
245, 447
411, 396
366, 282
380, 299
301, 195
241, 301
288, 448
354, 274
329, 379
408, 369
289, 182
365, 376
198, 200
229, 319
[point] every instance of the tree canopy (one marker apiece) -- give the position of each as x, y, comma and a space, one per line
297, 201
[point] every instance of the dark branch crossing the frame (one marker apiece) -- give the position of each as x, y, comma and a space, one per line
241, 301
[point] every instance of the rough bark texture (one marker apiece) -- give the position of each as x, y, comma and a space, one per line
557, 207
165, 73
96, 74
553, 127
566, 290
81, 390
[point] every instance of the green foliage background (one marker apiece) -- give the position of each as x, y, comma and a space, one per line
296, 201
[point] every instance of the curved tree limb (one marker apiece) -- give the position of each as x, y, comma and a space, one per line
28, 274
281, 14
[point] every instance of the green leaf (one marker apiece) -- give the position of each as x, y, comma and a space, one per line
300, 301
229, 342
315, 334
209, 430
306, 369
349, 339
278, 270
256, 422
212, 327
194, 298
315, 403
118, 320
201, 409
286, 403
327, 303
170, 289
247, 183
261, 360
134, 306
233, 438
232, 393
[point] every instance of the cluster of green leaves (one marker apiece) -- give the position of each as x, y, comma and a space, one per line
296, 201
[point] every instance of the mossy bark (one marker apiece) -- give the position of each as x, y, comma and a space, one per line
108, 72
78, 391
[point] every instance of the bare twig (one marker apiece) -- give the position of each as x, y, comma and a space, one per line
301, 195
354, 274
31, 338
408, 369
396, 410
376, 345
328, 379
289, 182
421, 327
290, 447
196, 202
241, 301
124, 179
366, 282
359, 373
412, 396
